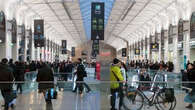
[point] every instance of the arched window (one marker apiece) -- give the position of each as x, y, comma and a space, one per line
2, 27
180, 30
170, 34
192, 26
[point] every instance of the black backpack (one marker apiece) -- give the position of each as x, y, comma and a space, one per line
81, 70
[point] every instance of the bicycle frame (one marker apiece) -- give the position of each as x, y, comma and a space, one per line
151, 100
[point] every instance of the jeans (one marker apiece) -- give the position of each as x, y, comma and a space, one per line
114, 97
19, 87
7, 97
48, 99
80, 85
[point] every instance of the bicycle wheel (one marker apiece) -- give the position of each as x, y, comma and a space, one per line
133, 101
163, 104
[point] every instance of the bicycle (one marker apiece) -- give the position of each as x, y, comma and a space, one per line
135, 99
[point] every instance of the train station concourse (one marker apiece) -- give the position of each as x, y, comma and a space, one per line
97, 54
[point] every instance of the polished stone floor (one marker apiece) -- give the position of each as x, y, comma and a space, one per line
71, 101
98, 99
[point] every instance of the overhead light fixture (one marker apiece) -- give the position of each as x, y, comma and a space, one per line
130, 7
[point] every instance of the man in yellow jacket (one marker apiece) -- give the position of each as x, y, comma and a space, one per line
116, 78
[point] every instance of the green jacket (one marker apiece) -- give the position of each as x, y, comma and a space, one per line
115, 70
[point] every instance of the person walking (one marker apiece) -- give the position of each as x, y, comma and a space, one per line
32, 66
70, 69
190, 97
19, 75
6, 82
12, 65
45, 78
81, 73
115, 87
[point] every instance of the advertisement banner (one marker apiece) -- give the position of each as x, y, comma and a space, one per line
73, 52
97, 21
64, 45
14, 31
2, 27
192, 26
124, 52
39, 33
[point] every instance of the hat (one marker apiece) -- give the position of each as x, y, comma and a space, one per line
115, 61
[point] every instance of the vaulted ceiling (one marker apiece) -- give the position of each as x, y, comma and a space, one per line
125, 20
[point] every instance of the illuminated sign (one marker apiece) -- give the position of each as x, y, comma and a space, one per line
137, 51
154, 46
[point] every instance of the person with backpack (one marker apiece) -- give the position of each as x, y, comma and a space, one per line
45, 79
117, 80
81, 73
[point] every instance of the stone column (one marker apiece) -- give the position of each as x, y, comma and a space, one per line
26, 44
8, 41
175, 50
32, 48
186, 43
148, 50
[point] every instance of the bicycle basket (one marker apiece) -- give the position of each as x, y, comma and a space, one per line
169, 94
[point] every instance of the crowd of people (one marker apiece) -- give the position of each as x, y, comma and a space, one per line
169, 66
13, 73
